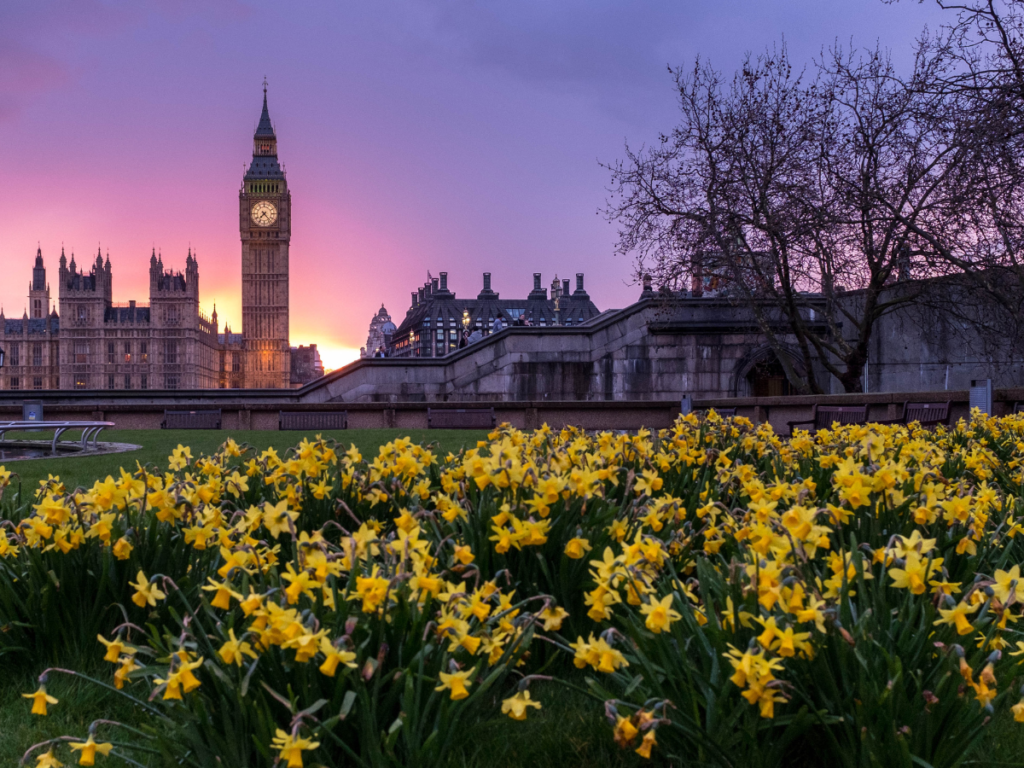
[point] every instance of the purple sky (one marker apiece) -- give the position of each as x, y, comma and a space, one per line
440, 135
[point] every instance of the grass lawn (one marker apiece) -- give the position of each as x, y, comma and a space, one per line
158, 443
570, 731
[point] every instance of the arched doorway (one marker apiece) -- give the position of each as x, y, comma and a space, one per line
767, 378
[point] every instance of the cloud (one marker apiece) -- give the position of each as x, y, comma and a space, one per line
598, 48
616, 53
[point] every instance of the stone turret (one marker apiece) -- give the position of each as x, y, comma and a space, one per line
39, 289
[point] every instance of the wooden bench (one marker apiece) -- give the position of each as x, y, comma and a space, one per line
312, 420
461, 418
824, 416
209, 419
926, 414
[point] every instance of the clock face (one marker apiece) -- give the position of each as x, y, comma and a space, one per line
264, 214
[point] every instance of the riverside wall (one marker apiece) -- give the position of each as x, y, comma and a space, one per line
262, 413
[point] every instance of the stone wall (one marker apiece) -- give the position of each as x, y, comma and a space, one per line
652, 350
942, 342
261, 412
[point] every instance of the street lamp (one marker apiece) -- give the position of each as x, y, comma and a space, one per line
465, 319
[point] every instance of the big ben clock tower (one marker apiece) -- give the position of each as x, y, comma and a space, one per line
265, 221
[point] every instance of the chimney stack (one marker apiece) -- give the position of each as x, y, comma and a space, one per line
579, 281
539, 293
414, 298
565, 287
433, 285
486, 294
444, 281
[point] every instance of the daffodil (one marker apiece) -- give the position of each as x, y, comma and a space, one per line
456, 682
516, 706
625, 731
89, 750
39, 700
957, 617
234, 651
115, 649
553, 616
1018, 711
334, 657
122, 549
145, 593
48, 760
290, 748
660, 614
576, 548
647, 744
1009, 583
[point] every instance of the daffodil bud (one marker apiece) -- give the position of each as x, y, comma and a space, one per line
611, 711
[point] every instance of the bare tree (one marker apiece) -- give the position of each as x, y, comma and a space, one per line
981, 51
806, 196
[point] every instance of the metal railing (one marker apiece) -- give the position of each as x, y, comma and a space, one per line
90, 430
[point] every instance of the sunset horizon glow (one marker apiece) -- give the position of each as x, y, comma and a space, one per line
428, 136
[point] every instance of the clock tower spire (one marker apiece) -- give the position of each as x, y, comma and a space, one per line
265, 227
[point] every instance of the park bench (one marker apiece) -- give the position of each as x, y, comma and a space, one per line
926, 414
1018, 407
90, 430
824, 416
208, 419
460, 418
313, 420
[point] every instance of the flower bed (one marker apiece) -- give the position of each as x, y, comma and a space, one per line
735, 598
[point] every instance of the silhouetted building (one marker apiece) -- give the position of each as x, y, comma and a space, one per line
306, 365
436, 319
379, 337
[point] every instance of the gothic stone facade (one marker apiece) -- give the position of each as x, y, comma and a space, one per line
169, 343
436, 318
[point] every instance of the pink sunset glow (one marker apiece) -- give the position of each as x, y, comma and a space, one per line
446, 135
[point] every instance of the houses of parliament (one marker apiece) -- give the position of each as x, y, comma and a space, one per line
87, 341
